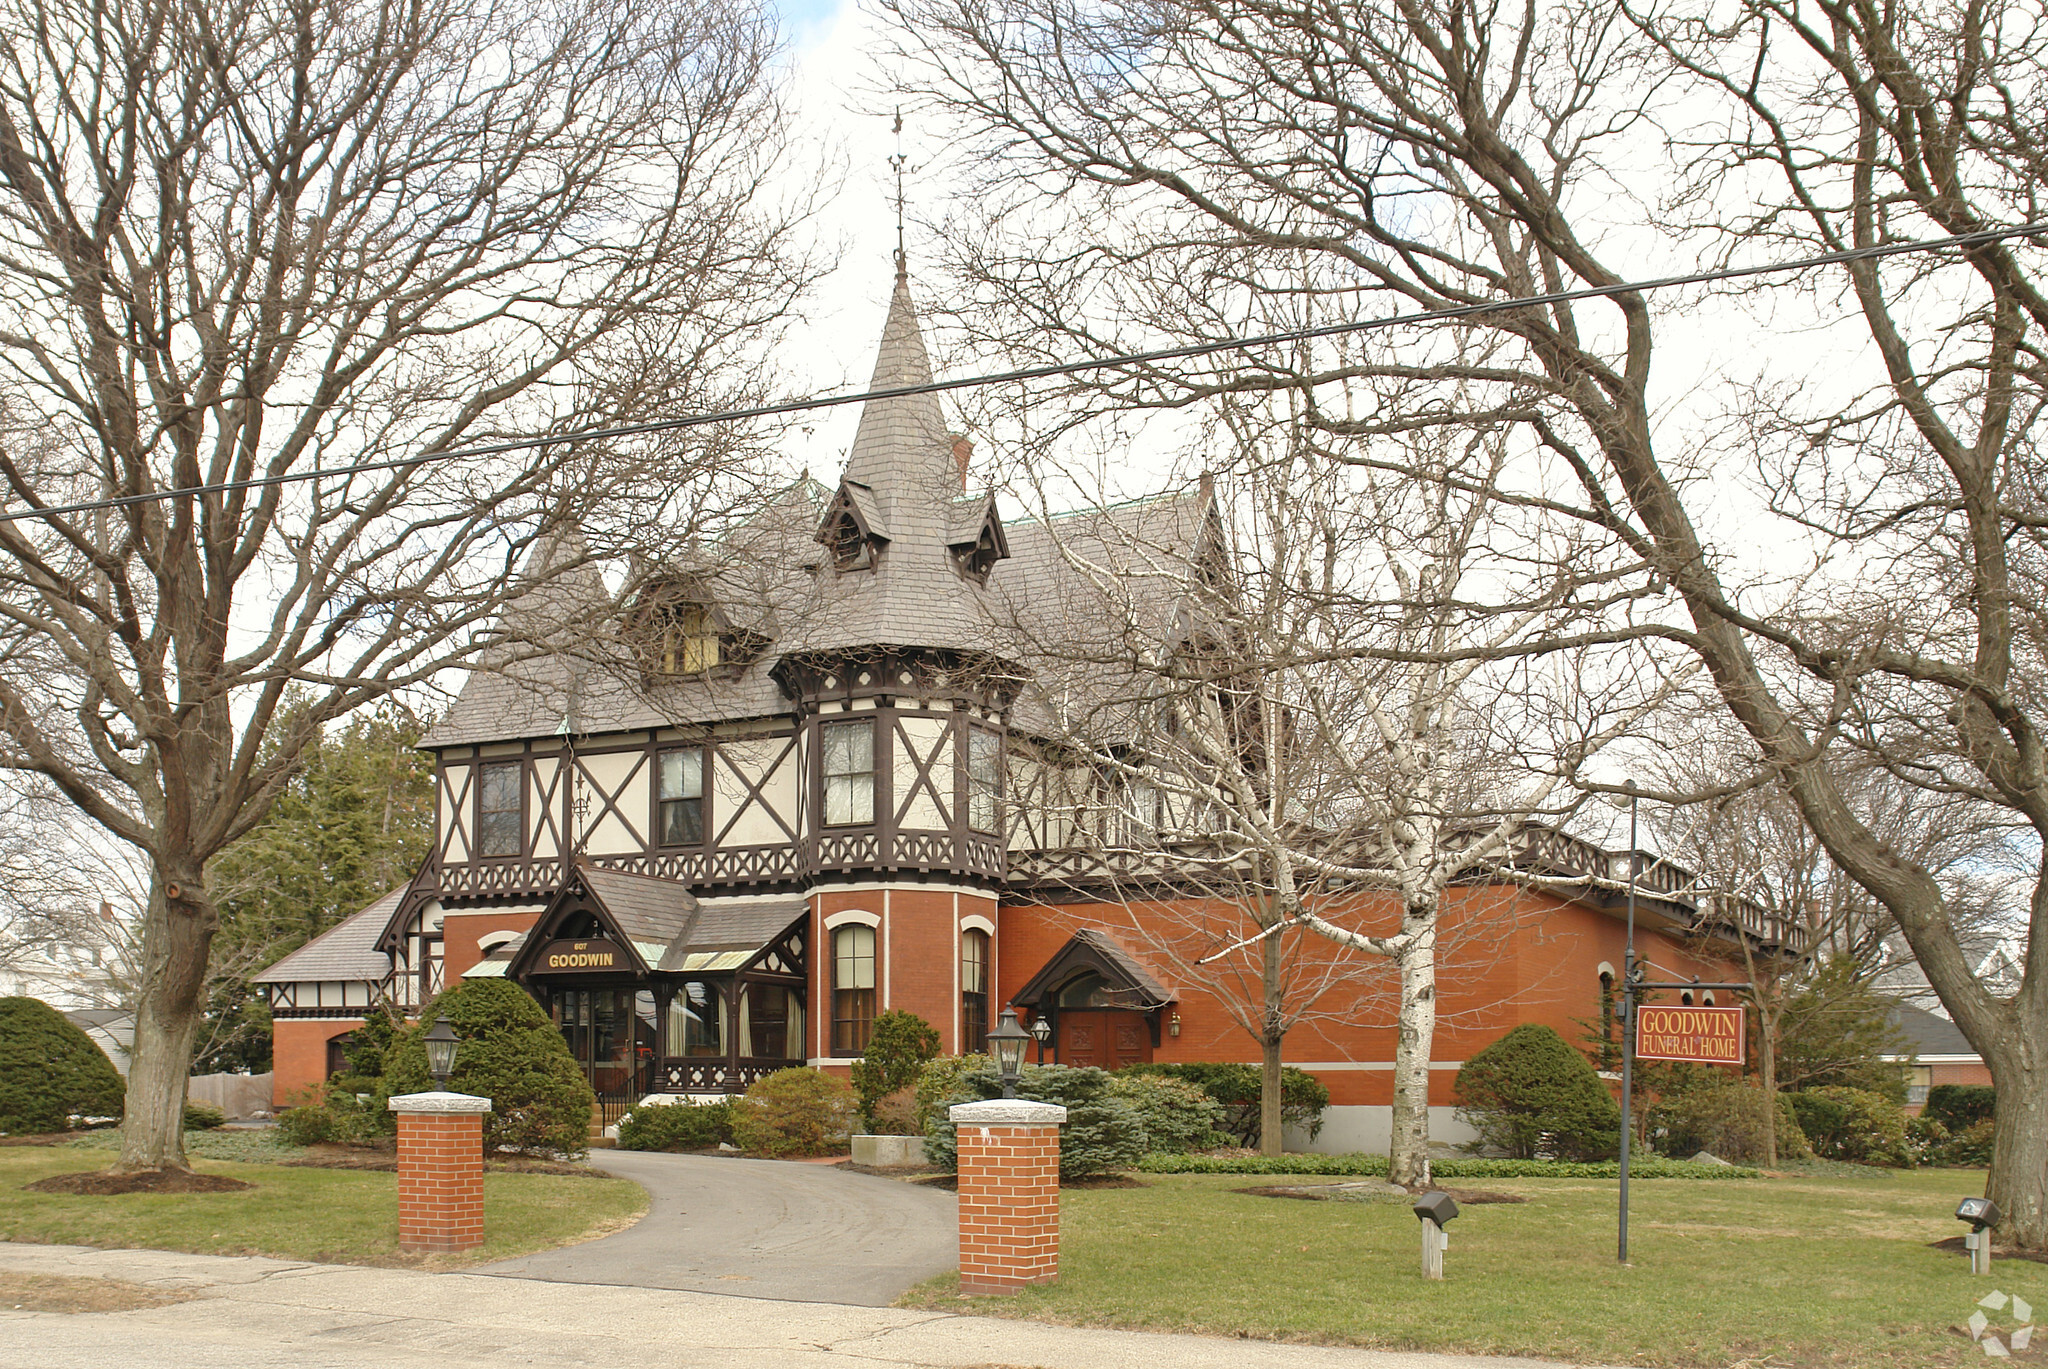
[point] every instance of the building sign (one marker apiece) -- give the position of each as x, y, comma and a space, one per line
1698, 1036
558, 956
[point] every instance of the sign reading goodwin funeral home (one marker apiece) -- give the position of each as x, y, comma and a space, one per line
1698, 1036
557, 956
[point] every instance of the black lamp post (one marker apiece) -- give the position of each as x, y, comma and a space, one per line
1006, 1044
1041, 1032
441, 1043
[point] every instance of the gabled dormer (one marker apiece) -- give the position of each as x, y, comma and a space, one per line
675, 627
976, 539
852, 529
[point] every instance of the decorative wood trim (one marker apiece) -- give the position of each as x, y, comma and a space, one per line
865, 919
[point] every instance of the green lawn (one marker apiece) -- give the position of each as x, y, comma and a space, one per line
329, 1215
1795, 1271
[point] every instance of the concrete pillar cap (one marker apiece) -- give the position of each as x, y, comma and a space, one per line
439, 1102
1007, 1112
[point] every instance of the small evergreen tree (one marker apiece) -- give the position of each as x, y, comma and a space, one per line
50, 1071
897, 1050
511, 1054
1531, 1095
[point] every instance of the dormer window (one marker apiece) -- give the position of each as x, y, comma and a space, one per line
852, 549
977, 540
675, 632
979, 557
689, 642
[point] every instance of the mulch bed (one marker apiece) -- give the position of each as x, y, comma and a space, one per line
46, 1138
101, 1183
1998, 1252
386, 1162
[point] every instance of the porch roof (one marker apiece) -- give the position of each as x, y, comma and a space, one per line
1091, 949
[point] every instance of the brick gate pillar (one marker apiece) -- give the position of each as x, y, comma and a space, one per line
1009, 1193
440, 1170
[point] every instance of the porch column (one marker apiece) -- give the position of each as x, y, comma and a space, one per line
1009, 1193
440, 1170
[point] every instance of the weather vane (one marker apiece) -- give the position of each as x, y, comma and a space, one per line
897, 164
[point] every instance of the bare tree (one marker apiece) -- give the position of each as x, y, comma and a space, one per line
263, 238
1359, 693
1431, 154
68, 902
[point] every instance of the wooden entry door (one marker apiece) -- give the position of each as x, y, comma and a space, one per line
1109, 1038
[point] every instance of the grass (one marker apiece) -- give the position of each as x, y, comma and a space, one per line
251, 1145
1808, 1270
1648, 1167
326, 1215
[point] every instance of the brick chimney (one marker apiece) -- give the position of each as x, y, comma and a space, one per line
963, 455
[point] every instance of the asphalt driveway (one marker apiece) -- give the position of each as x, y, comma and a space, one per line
762, 1229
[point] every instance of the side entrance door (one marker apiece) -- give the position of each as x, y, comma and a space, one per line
1110, 1038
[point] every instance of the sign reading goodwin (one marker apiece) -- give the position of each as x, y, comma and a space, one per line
558, 956
1698, 1036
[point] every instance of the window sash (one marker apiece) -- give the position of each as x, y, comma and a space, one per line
974, 961
681, 797
853, 988
694, 1028
849, 772
498, 810
984, 778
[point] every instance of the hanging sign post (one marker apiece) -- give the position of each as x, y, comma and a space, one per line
1697, 1036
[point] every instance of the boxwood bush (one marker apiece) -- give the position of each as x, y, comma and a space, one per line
52, 1075
1533, 1096
511, 1054
677, 1126
896, 1053
1855, 1125
1727, 1121
1103, 1133
1959, 1107
797, 1111
1178, 1116
1237, 1087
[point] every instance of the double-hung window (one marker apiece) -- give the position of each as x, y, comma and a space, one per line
681, 797
497, 809
973, 990
849, 772
853, 989
984, 778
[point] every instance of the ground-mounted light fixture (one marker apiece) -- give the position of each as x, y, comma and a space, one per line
441, 1043
1006, 1044
1434, 1209
1982, 1214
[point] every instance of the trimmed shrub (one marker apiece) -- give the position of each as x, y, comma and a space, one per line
204, 1117
1178, 1116
309, 1124
677, 1126
1102, 1133
1531, 1095
511, 1054
1237, 1087
52, 1075
938, 1084
897, 1051
1960, 1106
1727, 1122
797, 1111
1854, 1125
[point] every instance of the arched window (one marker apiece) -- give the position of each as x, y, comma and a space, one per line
1088, 991
973, 990
853, 988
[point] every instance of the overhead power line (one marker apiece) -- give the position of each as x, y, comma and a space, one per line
1064, 368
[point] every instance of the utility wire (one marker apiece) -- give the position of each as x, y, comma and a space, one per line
1064, 368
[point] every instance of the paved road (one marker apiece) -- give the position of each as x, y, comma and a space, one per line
762, 1229
274, 1314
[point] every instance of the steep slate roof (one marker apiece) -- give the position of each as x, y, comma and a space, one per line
1931, 1034
345, 951
651, 912
1094, 949
1038, 609
726, 935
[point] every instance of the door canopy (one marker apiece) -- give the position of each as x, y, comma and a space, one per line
1124, 983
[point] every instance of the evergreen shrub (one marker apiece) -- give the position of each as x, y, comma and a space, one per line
1238, 1086
1970, 1147
52, 1075
896, 1053
512, 1054
797, 1111
1855, 1125
1178, 1116
1960, 1106
677, 1126
1532, 1096
938, 1084
1728, 1122
1103, 1133
204, 1117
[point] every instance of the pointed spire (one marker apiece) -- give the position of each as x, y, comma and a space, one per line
902, 449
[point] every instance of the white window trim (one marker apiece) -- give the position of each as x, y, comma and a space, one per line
978, 923
835, 920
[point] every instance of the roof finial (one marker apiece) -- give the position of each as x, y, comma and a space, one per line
897, 161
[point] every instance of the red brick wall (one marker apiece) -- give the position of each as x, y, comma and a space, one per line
1009, 1207
917, 950
440, 1181
298, 1052
459, 933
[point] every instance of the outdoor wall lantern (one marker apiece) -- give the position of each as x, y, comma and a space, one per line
441, 1043
1434, 1209
1982, 1214
1173, 1025
1006, 1044
1041, 1032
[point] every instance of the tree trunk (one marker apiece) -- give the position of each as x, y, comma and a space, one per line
2019, 1145
171, 998
1767, 1054
1408, 1149
1272, 1140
